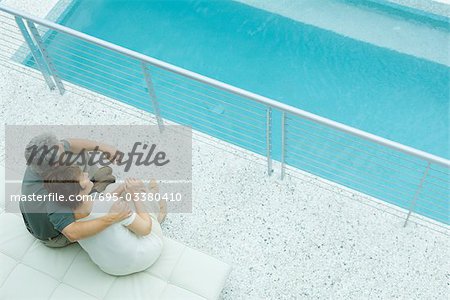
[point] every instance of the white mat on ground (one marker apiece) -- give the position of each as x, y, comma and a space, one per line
29, 270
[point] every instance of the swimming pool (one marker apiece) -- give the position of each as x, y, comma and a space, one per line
371, 88
381, 91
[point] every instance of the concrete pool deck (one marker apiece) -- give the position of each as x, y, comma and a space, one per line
298, 238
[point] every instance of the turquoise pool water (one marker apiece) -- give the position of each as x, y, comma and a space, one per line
381, 91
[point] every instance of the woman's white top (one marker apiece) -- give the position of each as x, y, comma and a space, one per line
117, 250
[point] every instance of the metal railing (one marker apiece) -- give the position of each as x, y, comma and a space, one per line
410, 178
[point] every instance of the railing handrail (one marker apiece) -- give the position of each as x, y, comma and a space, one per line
232, 89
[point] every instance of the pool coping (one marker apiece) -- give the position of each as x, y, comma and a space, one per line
416, 31
438, 8
437, 12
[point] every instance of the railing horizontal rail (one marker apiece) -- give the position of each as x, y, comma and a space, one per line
220, 85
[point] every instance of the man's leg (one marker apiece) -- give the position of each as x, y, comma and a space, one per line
102, 178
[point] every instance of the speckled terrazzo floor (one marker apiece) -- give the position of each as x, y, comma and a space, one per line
298, 238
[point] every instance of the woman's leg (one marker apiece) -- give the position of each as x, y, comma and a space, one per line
156, 227
159, 212
162, 211
153, 186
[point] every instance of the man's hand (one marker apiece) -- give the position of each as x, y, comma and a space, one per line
119, 211
133, 185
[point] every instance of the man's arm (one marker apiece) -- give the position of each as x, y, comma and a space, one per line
77, 145
80, 230
119, 190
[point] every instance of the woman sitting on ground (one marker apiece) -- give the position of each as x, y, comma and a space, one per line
129, 246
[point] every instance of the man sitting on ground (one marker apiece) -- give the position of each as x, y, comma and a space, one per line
46, 220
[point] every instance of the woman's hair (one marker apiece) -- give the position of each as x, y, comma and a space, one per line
65, 180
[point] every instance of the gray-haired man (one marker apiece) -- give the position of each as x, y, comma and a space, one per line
46, 220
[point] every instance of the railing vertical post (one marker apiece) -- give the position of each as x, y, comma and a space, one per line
269, 139
46, 56
417, 193
283, 143
151, 92
35, 52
